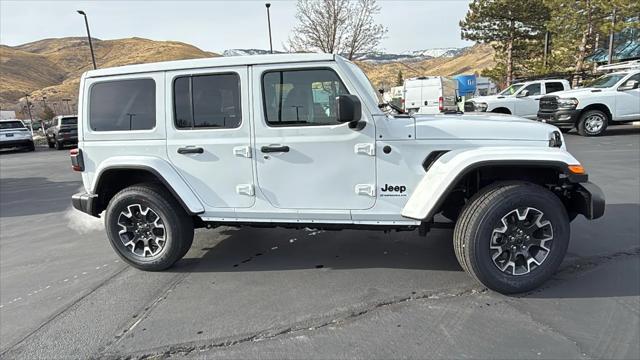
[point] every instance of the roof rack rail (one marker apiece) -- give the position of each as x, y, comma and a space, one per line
626, 65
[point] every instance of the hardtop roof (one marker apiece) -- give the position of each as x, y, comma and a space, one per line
222, 61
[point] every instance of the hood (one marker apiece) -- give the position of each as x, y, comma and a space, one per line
577, 92
481, 126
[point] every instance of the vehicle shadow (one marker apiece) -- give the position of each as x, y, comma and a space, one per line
34, 196
613, 131
273, 249
594, 246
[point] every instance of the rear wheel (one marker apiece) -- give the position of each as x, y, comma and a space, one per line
50, 143
148, 228
31, 147
59, 145
512, 237
592, 123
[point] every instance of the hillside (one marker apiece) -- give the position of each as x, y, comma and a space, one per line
474, 59
52, 67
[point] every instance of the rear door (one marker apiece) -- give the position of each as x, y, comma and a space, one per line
208, 134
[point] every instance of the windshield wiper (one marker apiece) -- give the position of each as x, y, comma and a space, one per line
394, 107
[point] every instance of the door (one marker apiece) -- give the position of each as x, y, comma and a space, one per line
527, 106
208, 134
305, 159
628, 101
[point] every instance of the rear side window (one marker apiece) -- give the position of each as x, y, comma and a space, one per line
553, 87
301, 97
123, 105
207, 101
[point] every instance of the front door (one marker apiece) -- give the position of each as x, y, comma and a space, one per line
208, 134
628, 101
527, 106
305, 158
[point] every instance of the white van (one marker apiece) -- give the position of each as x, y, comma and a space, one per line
430, 95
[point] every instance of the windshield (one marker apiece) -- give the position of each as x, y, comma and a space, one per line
11, 125
606, 81
69, 121
511, 89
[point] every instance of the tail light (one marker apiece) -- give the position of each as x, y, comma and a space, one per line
77, 162
440, 103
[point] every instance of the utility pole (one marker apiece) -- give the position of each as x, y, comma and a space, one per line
29, 110
86, 23
268, 5
613, 24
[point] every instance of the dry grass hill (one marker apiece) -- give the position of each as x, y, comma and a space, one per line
476, 59
52, 67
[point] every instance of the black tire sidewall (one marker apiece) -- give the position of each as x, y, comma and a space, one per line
525, 196
174, 233
581, 125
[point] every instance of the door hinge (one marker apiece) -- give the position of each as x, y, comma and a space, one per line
245, 189
244, 151
366, 189
365, 148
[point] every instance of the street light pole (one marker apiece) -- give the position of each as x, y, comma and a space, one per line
26, 96
86, 23
267, 5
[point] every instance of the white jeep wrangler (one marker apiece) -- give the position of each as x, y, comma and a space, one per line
301, 141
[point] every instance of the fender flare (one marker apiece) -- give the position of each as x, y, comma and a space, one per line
162, 169
449, 168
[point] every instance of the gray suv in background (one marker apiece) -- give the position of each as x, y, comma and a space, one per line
62, 130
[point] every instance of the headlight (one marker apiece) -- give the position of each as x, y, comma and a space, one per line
570, 103
480, 106
555, 139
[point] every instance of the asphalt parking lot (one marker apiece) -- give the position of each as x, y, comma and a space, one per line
273, 293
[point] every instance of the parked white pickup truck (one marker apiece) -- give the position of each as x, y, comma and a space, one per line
519, 99
611, 99
300, 140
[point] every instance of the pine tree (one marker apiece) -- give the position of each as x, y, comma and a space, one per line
399, 79
515, 29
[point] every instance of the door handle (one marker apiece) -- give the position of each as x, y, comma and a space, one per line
274, 149
190, 150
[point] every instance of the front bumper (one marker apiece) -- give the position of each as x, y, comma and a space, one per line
560, 118
588, 199
16, 143
85, 203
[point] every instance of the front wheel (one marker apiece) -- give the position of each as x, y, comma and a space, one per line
512, 237
148, 228
592, 123
58, 145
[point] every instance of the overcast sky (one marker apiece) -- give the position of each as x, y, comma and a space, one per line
219, 25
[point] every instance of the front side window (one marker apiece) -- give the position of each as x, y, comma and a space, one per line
511, 89
301, 97
123, 105
607, 81
533, 89
207, 101
552, 87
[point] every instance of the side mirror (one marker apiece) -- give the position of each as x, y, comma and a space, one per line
523, 93
628, 85
349, 108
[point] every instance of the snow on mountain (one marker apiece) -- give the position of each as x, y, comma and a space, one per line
374, 57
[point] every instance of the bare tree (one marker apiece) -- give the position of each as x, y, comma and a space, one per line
336, 26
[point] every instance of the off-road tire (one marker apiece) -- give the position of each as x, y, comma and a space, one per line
479, 218
583, 128
177, 223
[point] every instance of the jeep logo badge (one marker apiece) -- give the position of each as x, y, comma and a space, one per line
393, 190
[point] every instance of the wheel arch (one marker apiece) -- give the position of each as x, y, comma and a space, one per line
502, 110
469, 174
602, 107
112, 178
